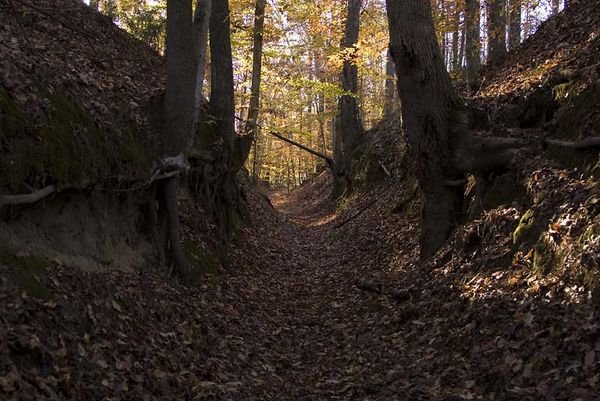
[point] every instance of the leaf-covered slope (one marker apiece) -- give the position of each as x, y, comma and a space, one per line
567, 44
73, 89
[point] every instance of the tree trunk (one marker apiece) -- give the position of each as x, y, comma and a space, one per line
94, 4
433, 117
349, 118
179, 95
178, 120
461, 50
222, 195
514, 33
496, 29
201, 24
390, 87
555, 6
221, 89
455, 40
472, 41
259, 21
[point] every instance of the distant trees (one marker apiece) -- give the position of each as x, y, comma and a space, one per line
304, 49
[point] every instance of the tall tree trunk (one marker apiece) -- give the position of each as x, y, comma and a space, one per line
224, 193
461, 50
349, 117
455, 31
390, 105
201, 26
221, 88
259, 21
433, 117
178, 119
555, 6
472, 41
179, 95
496, 29
514, 33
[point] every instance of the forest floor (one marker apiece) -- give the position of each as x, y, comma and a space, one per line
317, 304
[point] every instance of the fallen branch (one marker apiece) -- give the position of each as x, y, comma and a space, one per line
586, 143
371, 286
25, 199
385, 170
355, 215
328, 159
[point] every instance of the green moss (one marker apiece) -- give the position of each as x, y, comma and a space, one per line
69, 147
203, 261
524, 231
562, 92
577, 116
29, 272
543, 259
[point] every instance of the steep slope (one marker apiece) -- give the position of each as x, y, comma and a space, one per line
76, 101
551, 79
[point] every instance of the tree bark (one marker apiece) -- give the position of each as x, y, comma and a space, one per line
222, 107
201, 24
472, 41
259, 21
390, 87
496, 29
433, 116
349, 117
179, 95
179, 118
455, 32
514, 33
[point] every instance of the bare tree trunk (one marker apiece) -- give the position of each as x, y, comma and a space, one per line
496, 29
179, 95
179, 108
221, 89
514, 33
433, 116
390, 87
473, 41
349, 117
201, 24
259, 21
461, 51
455, 32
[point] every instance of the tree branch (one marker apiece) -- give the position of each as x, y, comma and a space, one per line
25, 199
328, 159
592, 142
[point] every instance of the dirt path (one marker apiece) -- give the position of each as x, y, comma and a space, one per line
307, 331
287, 321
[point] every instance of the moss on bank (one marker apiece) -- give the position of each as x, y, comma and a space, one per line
69, 147
29, 272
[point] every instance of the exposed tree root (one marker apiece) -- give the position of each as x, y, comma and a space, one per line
24, 199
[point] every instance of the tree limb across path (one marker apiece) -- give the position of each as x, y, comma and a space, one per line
328, 159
